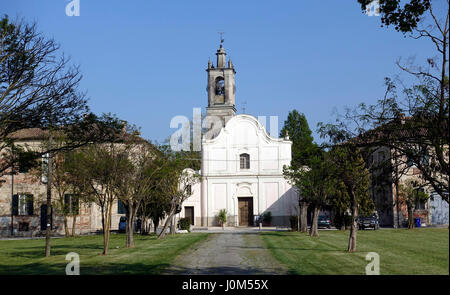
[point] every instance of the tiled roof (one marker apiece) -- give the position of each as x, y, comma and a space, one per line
40, 134
29, 133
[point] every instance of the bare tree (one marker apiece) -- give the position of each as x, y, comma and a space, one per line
176, 186
137, 182
38, 86
413, 123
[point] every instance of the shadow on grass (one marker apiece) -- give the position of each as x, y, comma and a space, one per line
35, 252
89, 269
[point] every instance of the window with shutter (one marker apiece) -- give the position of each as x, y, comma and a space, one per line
22, 205
30, 204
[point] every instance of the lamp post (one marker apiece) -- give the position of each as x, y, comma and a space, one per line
12, 192
12, 201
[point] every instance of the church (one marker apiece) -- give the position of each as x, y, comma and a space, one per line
242, 165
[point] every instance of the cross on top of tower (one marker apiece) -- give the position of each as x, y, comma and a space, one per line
221, 38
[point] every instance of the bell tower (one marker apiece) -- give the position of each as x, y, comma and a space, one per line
221, 87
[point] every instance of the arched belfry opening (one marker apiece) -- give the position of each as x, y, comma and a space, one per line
219, 90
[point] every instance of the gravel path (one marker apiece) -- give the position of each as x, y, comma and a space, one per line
228, 253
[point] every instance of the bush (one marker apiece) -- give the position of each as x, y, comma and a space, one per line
185, 224
294, 222
267, 218
222, 216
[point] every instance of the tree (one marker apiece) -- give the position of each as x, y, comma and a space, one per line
414, 124
303, 148
154, 206
38, 87
101, 167
410, 194
222, 217
66, 202
176, 184
137, 181
315, 183
340, 202
404, 19
350, 168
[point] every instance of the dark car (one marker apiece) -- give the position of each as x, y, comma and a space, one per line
122, 224
324, 221
369, 222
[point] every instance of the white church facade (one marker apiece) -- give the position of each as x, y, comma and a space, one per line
242, 165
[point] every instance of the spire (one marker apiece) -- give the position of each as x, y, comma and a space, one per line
230, 64
221, 56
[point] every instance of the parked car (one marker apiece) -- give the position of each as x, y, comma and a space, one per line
122, 224
324, 221
369, 222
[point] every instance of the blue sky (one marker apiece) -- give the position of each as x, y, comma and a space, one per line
145, 60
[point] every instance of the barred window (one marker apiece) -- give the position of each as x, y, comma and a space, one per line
245, 161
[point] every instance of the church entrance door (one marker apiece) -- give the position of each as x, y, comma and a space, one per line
189, 213
245, 211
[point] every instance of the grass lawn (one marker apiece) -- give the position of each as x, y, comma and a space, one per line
401, 251
149, 256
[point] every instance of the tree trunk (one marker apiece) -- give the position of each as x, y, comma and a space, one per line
66, 228
315, 223
410, 215
304, 217
144, 226
129, 241
354, 225
173, 225
107, 227
74, 224
166, 224
155, 224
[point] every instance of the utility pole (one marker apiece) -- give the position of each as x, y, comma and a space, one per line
12, 191
12, 203
49, 206
49, 189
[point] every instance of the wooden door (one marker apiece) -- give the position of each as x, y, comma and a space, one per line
245, 206
189, 213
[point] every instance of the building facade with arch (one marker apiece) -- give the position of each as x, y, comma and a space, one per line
242, 165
